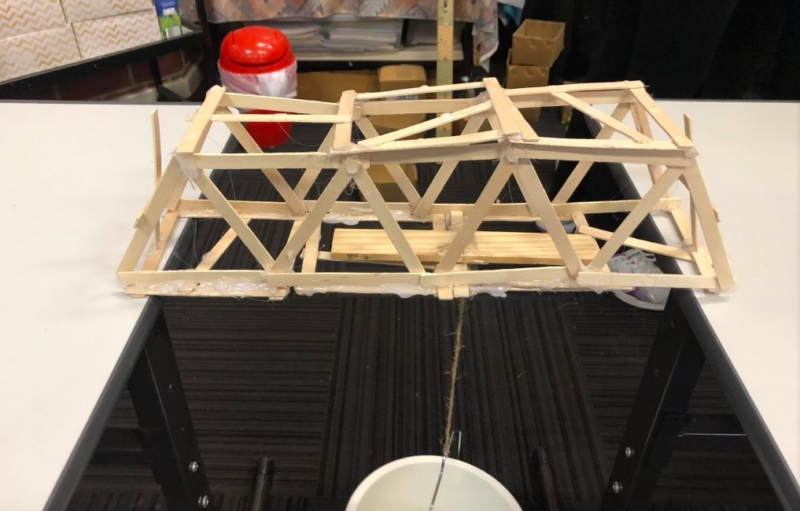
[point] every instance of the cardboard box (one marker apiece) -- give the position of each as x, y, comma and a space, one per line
537, 43
40, 51
387, 186
394, 78
109, 35
86, 10
21, 17
518, 77
328, 86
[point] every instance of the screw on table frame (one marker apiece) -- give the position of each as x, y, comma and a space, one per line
166, 425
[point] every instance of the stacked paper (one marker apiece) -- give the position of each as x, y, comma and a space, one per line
341, 33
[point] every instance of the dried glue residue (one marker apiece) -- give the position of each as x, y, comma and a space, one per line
221, 287
236, 287
401, 290
176, 287
339, 218
496, 291
404, 290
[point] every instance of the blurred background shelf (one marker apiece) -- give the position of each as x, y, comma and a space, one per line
408, 54
192, 35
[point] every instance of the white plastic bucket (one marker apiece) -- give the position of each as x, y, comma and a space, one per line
408, 485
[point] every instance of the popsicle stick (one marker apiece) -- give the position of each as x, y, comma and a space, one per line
396, 171
538, 203
344, 131
388, 222
239, 226
635, 217
312, 221
602, 117
218, 250
487, 197
445, 171
580, 170
273, 175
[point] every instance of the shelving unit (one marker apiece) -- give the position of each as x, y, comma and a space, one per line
193, 34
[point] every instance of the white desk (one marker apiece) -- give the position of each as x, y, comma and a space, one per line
750, 159
74, 177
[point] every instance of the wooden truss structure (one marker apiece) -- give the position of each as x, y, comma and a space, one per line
445, 260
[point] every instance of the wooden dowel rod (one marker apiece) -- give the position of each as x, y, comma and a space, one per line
156, 128
310, 119
424, 89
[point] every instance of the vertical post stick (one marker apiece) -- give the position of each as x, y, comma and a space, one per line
444, 55
156, 165
687, 128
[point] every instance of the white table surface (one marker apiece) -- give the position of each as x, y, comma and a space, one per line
74, 177
750, 160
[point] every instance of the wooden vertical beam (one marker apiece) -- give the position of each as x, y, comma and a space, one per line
708, 222
444, 54
153, 259
687, 128
456, 221
440, 224
642, 123
311, 252
343, 132
145, 224
156, 167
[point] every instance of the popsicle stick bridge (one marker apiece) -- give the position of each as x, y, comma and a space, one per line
445, 260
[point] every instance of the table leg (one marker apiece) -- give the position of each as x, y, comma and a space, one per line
166, 425
667, 384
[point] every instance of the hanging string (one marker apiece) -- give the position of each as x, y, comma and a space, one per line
448, 435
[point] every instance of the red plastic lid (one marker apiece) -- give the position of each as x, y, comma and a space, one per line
255, 50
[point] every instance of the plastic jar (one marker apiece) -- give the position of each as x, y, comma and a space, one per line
259, 60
